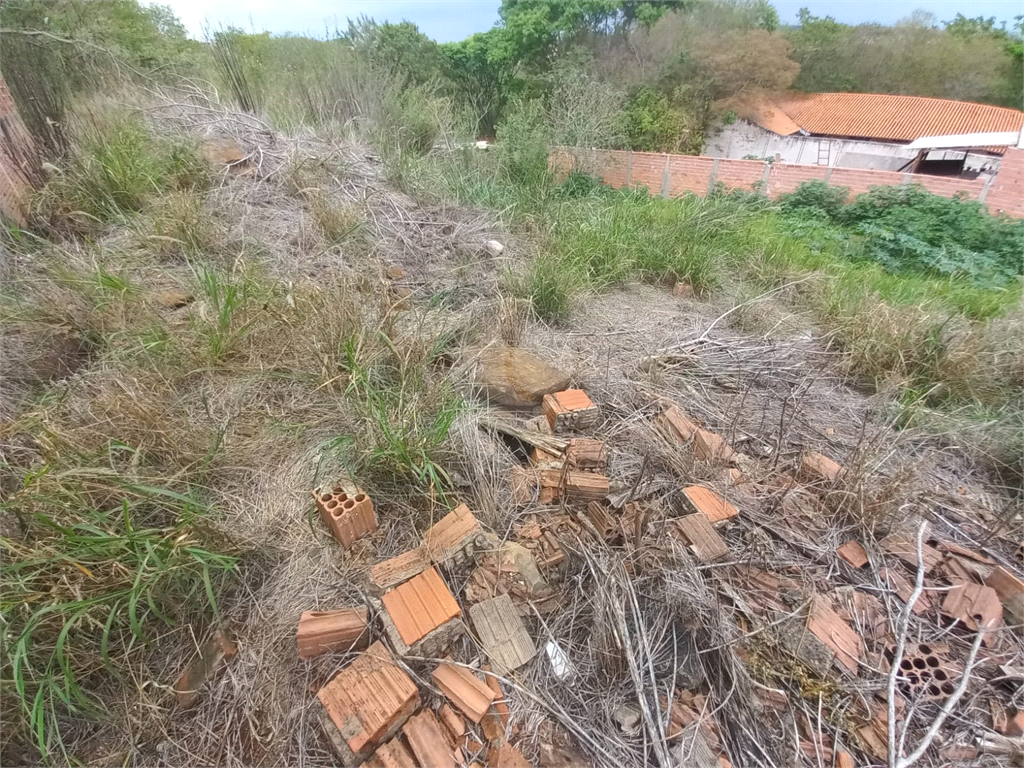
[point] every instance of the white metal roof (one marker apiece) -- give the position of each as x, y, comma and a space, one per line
967, 140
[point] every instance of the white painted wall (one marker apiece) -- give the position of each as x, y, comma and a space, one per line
746, 140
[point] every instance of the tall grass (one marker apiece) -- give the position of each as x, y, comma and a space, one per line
101, 559
118, 169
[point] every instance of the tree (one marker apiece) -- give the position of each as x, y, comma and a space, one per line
482, 69
400, 50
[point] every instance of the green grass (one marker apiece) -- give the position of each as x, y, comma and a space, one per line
120, 168
101, 560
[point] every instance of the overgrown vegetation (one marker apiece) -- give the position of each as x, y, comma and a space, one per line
141, 432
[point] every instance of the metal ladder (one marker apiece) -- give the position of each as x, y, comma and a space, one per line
824, 150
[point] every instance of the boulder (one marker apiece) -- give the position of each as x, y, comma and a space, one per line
514, 378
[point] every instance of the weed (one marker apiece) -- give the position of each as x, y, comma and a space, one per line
101, 558
228, 300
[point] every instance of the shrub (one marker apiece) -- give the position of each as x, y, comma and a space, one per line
908, 230
523, 144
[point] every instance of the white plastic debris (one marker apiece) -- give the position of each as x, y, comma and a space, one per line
560, 664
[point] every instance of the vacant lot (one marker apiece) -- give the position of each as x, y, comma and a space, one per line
206, 316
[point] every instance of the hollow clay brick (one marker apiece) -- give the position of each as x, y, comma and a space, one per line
585, 486
606, 525
348, 517
450, 535
401, 568
328, 631
421, 615
710, 504
697, 531
586, 453
368, 701
569, 409
466, 691
502, 634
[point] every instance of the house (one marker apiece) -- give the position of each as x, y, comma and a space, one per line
868, 131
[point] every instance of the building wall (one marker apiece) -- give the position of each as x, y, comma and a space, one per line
743, 140
675, 175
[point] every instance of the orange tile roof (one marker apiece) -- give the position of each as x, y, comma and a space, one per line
883, 117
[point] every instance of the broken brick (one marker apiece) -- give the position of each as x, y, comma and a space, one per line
974, 605
465, 690
569, 409
710, 504
607, 527
845, 644
349, 517
586, 453
506, 756
395, 273
1015, 725
368, 701
710, 448
451, 535
217, 650
328, 631
391, 755
451, 720
1010, 590
584, 486
541, 458
399, 569
419, 613
906, 550
426, 739
702, 538
499, 706
816, 467
904, 589
844, 760
676, 425
502, 634
853, 553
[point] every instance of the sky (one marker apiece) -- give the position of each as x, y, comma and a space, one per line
457, 19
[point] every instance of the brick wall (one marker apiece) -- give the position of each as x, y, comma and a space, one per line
681, 174
1006, 195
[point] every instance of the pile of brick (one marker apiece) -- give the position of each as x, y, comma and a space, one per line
376, 714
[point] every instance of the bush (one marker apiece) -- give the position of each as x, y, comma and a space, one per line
910, 230
523, 144
651, 124
815, 197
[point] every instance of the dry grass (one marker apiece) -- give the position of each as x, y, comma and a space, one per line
295, 365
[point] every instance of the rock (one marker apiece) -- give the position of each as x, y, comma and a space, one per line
628, 717
395, 273
514, 378
494, 248
175, 299
683, 289
225, 153
211, 659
